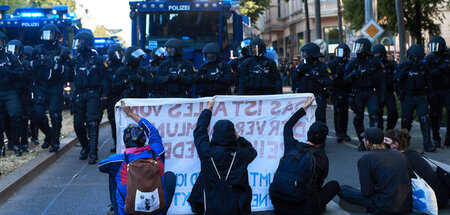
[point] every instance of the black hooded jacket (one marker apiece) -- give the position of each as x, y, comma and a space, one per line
221, 149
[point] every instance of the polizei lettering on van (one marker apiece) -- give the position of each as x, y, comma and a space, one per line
30, 24
179, 7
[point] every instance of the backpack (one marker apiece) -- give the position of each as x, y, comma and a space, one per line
220, 200
145, 192
293, 179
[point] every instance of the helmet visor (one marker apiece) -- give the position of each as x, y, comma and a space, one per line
257, 50
138, 53
339, 52
434, 47
14, 49
245, 43
48, 35
160, 52
210, 57
358, 48
77, 43
118, 55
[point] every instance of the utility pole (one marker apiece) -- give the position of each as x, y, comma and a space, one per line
317, 19
341, 37
401, 28
308, 28
368, 10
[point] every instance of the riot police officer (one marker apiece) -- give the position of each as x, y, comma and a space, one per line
157, 58
49, 64
176, 74
90, 78
236, 63
23, 90
28, 54
135, 82
340, 90
259, 75
379, 52
11, 69
115, 57
313, 77
365, 75
214, 77
413, 78
439, 64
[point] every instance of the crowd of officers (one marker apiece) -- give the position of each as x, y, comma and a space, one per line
32, 82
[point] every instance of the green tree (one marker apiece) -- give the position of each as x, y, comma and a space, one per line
100, 31
49, 3
13, 4
419, 15
253, 8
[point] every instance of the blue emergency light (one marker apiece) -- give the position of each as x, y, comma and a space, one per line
32, 14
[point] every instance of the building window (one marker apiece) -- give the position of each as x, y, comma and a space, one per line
332, 35
301, 40
279, 8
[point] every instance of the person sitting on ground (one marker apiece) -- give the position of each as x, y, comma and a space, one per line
225, 149
136, 148
319, 195
398, 139
385, 179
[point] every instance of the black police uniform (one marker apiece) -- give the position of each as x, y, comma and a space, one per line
214, 77
176, 74
11, 69
413, 78
313, 77
365, 75
389, 97
259, 75
50, 63
340, 91
115, 55
439, 97
28, 54
90, 78
135, 82
236, 63
23, 91
157, 58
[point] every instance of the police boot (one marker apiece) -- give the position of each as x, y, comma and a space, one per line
2, 147
425, 128
80, 130
113, 129
437, 143
343, 127
14, 141
337, 127
56, 118
93, 141
34, 132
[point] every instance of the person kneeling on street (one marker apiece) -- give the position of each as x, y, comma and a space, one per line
297, 184
222, 186
135, 138
398, 140
385, 179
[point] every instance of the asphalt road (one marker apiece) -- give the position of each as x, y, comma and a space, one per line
71, 186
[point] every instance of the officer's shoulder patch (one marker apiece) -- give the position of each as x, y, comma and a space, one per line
70, 56
106, 64
382, 65
193, 68
328, 70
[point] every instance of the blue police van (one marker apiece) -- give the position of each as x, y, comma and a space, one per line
196, 23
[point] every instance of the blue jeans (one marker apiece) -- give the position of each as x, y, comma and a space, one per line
354, 196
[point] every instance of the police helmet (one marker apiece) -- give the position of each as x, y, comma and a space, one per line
310, 51
50, 33
211, 52
245, 45
362, 46
437, 44
83, 41
3, 41
134, 56
257, 47
28, 51
174, 47
379, 51
15, 47
115, 53
342, 51
415, 52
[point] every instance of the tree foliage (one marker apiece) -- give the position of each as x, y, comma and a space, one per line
254, 8
419, 15
13, 4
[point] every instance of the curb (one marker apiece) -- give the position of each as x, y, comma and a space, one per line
25, 173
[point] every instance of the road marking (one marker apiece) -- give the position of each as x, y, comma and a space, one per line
333, 208
70, 182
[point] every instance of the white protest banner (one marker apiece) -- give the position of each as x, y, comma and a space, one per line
260, 119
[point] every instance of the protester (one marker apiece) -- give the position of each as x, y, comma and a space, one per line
318, 197
385, 179
398, 139
226, 151
135, 138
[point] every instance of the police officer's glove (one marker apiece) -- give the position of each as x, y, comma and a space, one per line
133, 78
354, 74
173, 76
